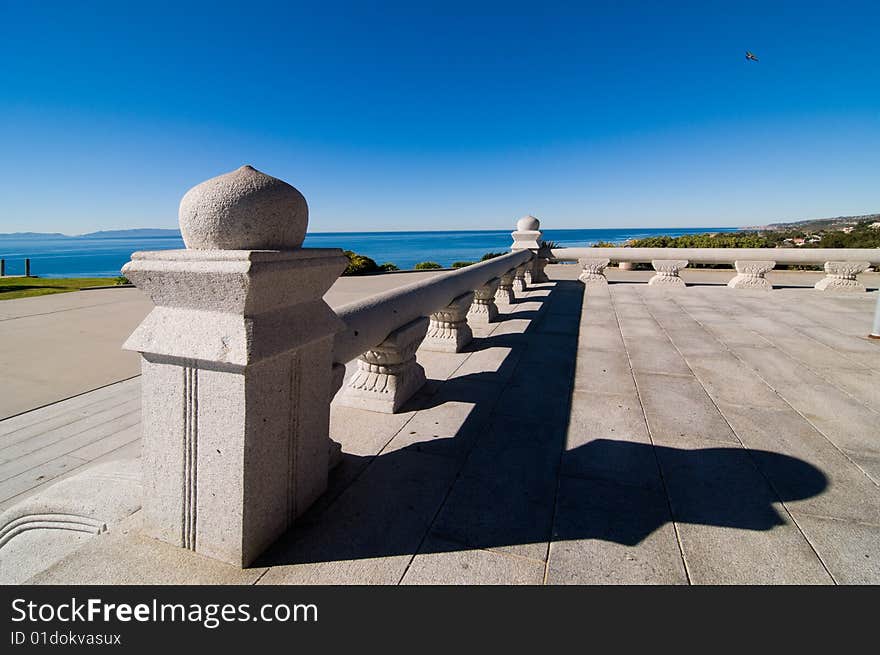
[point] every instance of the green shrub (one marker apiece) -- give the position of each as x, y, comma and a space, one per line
121, 279
388, 266
359, 264
491, 255
461, 264
426, 266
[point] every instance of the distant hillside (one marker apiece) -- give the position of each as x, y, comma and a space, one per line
103, 234
33, 235
814, 224
124, 234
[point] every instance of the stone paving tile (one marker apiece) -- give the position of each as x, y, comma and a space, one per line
457, 415
611, 533
865, 350
362, 432
850, 550
727, 379
731, 526
677, 407
125, 556
650, 355
445, 562
847, 492
607, 438
369, 534
503, 498
601, 337
492, 362
863, 385
602, 371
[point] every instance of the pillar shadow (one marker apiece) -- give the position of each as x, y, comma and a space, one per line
504, 478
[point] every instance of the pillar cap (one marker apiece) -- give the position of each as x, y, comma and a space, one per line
243, 210
528, 224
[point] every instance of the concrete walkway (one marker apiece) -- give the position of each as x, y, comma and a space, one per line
58, 346
624, 434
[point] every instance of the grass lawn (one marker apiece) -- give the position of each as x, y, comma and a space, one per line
22, 287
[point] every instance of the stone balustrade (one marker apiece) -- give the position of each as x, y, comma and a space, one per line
449, 302
241, 358
842, 265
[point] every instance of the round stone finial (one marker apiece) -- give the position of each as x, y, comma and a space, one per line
243, 210
528, 224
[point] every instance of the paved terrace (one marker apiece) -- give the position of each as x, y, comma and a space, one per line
619, 434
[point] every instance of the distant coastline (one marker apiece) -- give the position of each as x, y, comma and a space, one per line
103, 253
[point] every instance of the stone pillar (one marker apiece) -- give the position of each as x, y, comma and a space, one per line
527, 236
841, 276
448, 331
667, 272
27, 267
593, 271
237, 369
484, 310
388, 375
504, 295
750, 275
519, 277
624, 266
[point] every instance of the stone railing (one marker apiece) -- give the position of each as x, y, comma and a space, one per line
241, 357
842, 265
384, 331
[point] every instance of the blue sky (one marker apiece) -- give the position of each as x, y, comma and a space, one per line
442, 115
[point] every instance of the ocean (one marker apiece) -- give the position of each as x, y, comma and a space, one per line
92, 256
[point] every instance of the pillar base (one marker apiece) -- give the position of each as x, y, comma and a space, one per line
388, 375
841, 277
593, 271
448, 331
750, 275
667, 273
484, 310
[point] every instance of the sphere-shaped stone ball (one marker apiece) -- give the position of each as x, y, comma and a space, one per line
243, 210
528, 224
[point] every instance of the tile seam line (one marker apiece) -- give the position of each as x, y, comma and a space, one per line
72, 424
76, 395
571, 389
804, 364
66, 454
489, 419
684, 564
752, 459
27, 492
68, 416
57, 311
6, 440
783, 398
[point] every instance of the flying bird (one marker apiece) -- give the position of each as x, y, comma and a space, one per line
750, 56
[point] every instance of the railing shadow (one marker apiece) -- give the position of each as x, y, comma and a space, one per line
502, 477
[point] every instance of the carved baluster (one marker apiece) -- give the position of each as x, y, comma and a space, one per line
667, 272
841, 276
449, 331
593, 271
504, 295
750, 275
519, 277
388, 375
484, 310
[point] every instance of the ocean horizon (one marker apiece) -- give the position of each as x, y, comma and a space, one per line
104, 256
